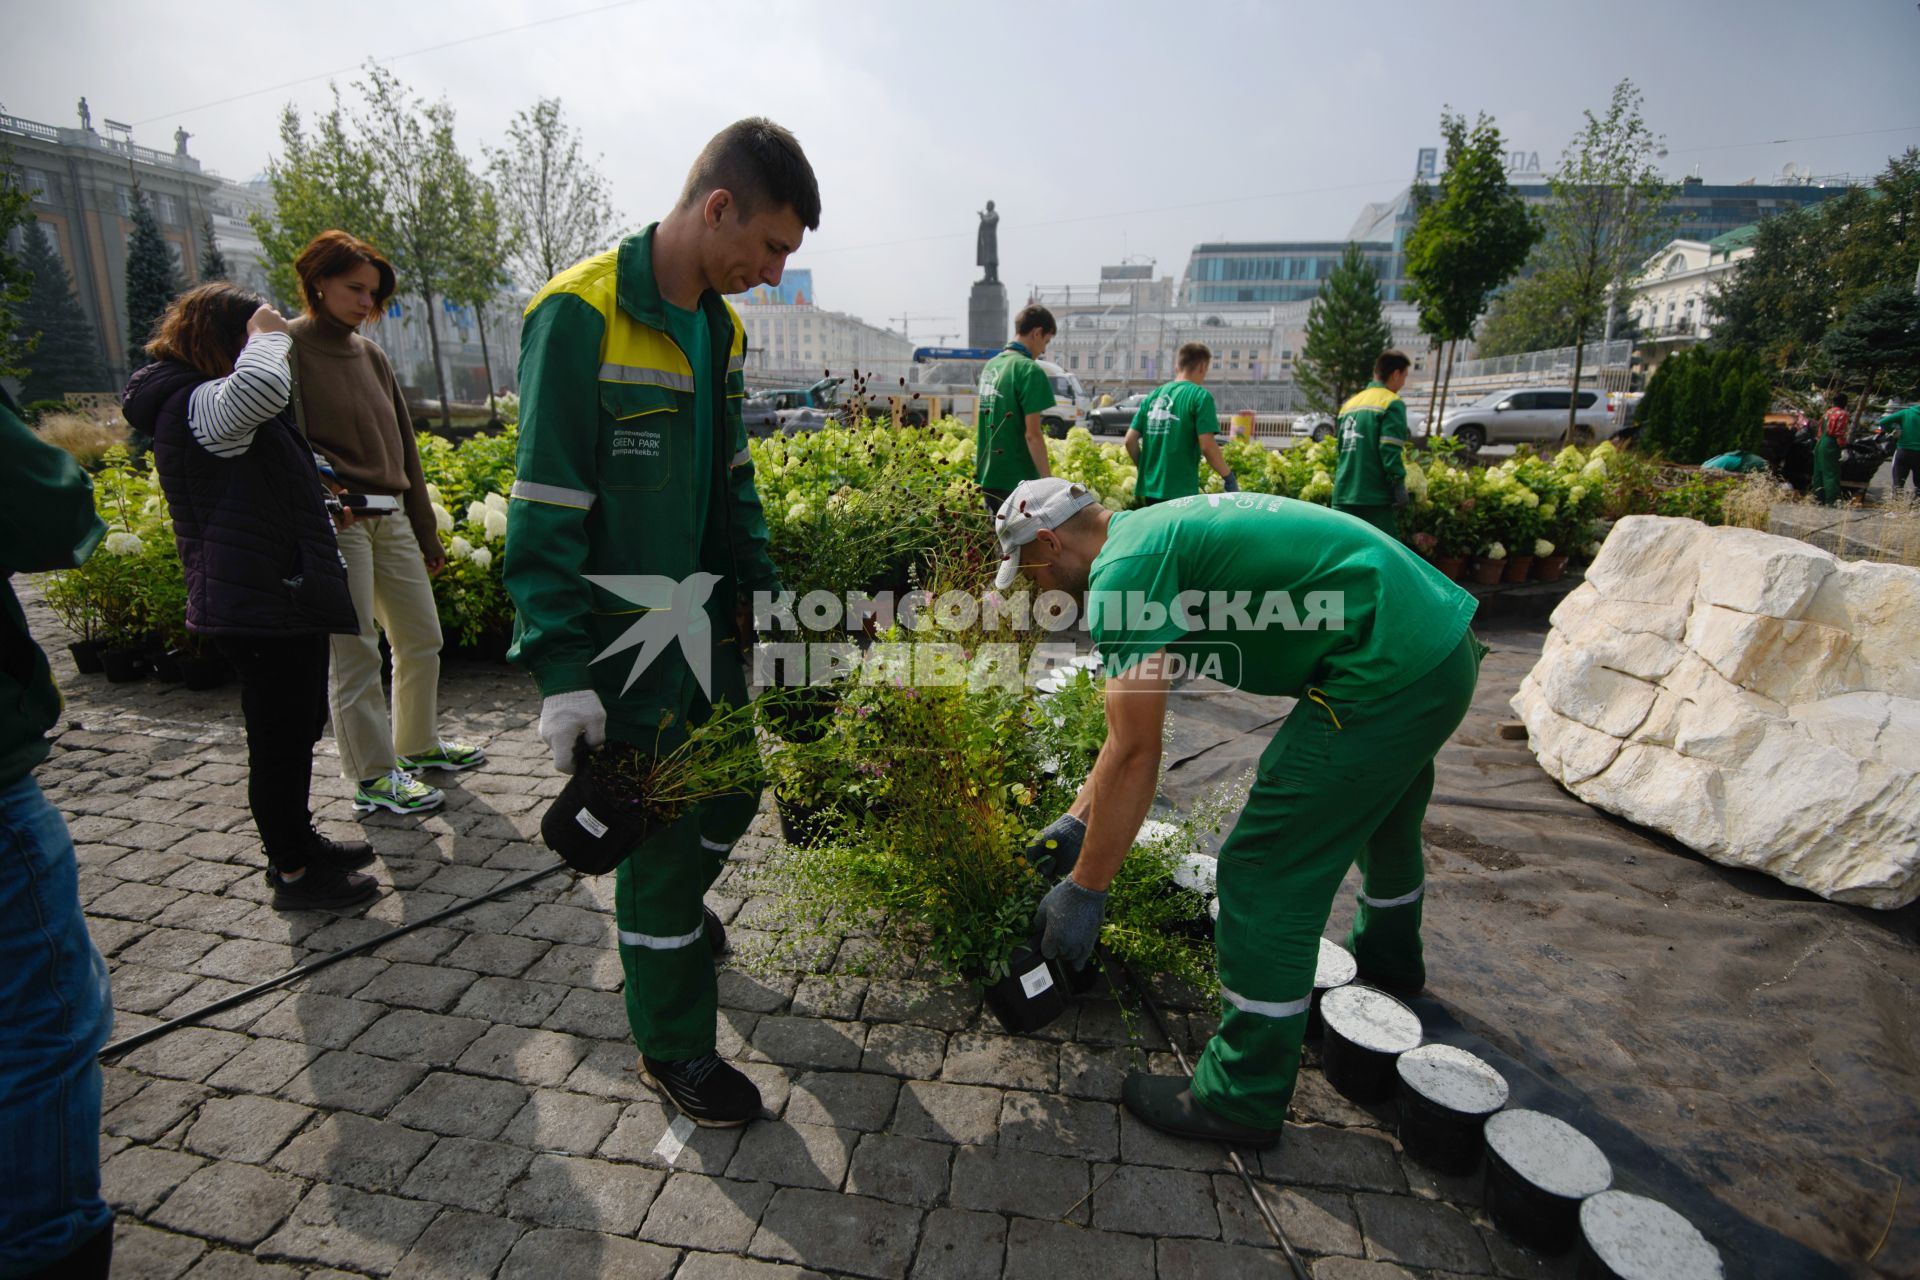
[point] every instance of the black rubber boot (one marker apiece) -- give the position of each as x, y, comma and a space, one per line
93, 1260
709, 1090
715, 931
1168, 1104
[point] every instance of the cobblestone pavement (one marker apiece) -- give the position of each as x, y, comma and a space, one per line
461, 1102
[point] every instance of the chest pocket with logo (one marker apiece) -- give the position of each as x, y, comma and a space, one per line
642, 447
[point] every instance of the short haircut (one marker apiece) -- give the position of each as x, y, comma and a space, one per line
1191, 356
334, 253
1390, 363
1034, 317
206, 327
762, 165
1839, 399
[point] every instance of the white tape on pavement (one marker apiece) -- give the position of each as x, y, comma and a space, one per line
674, 1140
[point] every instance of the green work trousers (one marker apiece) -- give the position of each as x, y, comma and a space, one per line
1340, 783
1384, 516
1826, 469
672, 995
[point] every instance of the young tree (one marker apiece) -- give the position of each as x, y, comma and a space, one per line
1605, 214
1878, 343
152, 283
552, 198
66, 356
320, 183
1469, 238
16, 210
480, 265
213, 263
1345, 334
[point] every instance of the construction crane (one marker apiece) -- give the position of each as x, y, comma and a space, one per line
904, 321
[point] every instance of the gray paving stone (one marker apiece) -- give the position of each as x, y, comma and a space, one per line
143, 988
501, 955
142, 1253
694, 1211
1357, 1269
810, 1043
461, 1106
958, 1245
966, 1114
141, 1177
847, 1099
1317, 1102
326, 1022
794, 1155
609, 1071
418, 986
572, 925
208, 990
225, 1264
944, 1008
428, 945
237, 1203
902, 1170
597, 967
199, 876
459, 1246
1059, 1126
265, 1065
755, 993
110, 935
1021, 1182
1211, 1260
528, 1056
591, 1195
374, 1155
1057, 1251
552, 1120
353, 1082
1420, 1233
343, 977
831, 997
1006, 1062
1321, 1156
411, 1035
1155, 1202
901, 1049
1140, 1144
511, 1000
1321, 1222
838, 1232
600, 1015
585, 1255
191, 1053
352, 1230
1097, 1073
154, 1110
643, 1125
465, 1172
247, 1129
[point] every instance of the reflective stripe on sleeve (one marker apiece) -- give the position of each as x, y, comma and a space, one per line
1401, 901
652, 943
636, 373
741, 458
736, 363
552, 494
1268, 1008
714, 846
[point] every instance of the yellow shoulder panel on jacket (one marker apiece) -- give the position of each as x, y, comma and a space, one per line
593, 281
739, 329
1375, 398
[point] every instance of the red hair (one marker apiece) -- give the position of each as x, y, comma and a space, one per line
334, 253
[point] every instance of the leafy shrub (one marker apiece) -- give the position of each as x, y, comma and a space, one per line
1703, 403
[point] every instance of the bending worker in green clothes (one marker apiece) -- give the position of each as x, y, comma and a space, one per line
1173, 429
1371, 481
1280, 598
634, 495
1010, 443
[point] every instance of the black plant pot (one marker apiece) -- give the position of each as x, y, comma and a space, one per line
205, 671
1033, 993
1366, 1031
1446, 1095
1539, 1169
86, 656
590, 827
801, 824
1335, 969
124, 665
1629, 1237
167, 665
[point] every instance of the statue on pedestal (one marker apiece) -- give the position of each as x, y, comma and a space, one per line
180, 136
86, 115
987, 246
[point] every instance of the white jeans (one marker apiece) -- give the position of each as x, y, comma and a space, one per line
388, 578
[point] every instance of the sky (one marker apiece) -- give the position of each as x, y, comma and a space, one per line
1104, 132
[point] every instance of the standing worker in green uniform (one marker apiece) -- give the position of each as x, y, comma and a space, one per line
1906, 452
1371, 481
635, 494
1285, 599
1010, 444
1826, 452
1173, 429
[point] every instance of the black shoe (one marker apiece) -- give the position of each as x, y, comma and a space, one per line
709, 1091
323, 887
1394, 987
1168, 1105
348, 855
715, 931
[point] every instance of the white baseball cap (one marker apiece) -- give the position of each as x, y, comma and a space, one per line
1032, 506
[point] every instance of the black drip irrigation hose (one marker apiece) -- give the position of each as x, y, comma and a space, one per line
1239, 1166
151, 1034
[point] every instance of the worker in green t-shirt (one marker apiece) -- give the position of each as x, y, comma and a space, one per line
1010, 444
1173, 429
1906, 452
1371, 481
1279, 598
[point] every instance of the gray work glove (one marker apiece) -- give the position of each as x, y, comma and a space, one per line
567, 717
1058, 847
1399, 495
1069, 919
1230, 483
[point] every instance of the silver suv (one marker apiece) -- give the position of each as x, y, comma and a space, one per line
1527, 415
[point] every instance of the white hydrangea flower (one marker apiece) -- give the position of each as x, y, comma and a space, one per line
476, 513
497, 501
460, 548
1542, 548
798, 511
442, 518
1593, 549
1495, 551
123, 544
482, 557
433, 492
495, 523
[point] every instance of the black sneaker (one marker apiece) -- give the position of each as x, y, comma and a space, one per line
348, 855
715, 931
324, 887
1168, 1105
709, 1091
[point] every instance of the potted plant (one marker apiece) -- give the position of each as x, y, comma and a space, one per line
72, 597
1491, 564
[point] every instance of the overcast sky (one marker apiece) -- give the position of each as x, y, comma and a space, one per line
1103, 130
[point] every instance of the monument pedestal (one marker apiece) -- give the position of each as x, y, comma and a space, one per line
987, 315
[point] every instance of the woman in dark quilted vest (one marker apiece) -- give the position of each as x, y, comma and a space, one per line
264, 577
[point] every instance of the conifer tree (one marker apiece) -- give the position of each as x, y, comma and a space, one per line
1345, 334
67, 357
152, 282
213, 263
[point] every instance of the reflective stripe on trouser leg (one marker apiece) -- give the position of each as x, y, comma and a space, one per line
1385, 938
671, 996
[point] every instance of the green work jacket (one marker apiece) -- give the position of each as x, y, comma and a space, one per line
1373, 442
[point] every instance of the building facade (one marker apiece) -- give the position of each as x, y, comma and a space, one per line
1281, 271
794, 344
1673, 295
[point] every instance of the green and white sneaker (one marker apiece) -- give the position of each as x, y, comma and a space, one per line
399, 791
447, 756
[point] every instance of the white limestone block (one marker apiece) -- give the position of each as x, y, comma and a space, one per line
1650, 560
1755, 572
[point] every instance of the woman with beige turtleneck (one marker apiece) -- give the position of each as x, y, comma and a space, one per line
356, 418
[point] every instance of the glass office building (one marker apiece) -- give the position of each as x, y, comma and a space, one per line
1287, 271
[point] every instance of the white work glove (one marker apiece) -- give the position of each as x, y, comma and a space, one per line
564, 717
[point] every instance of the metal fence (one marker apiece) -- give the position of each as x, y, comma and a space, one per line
1543, 365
